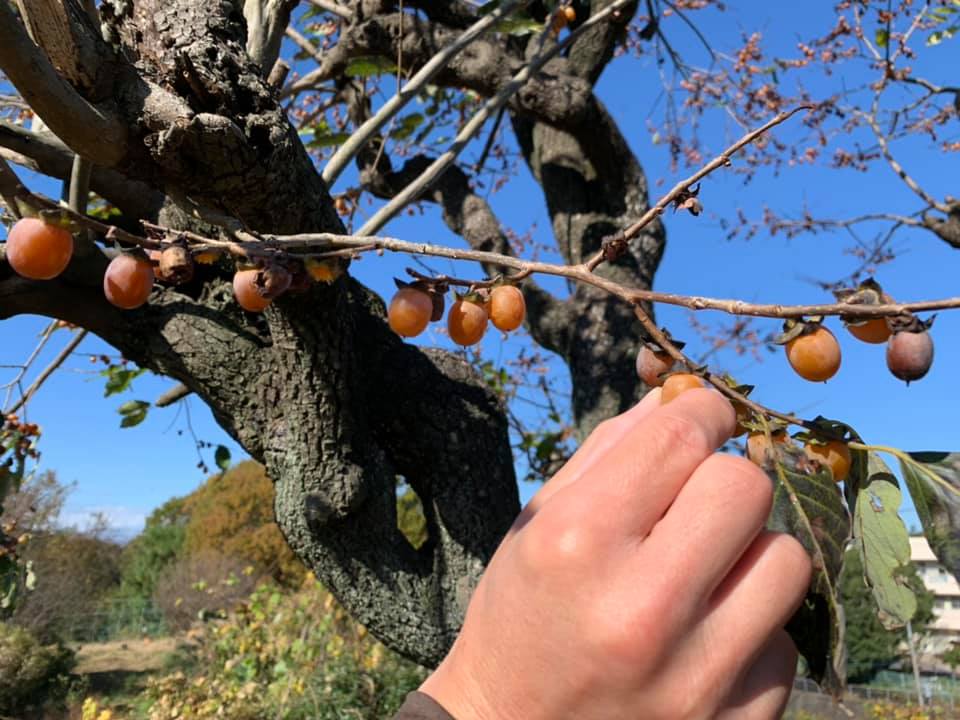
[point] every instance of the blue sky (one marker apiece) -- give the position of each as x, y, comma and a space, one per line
126, 473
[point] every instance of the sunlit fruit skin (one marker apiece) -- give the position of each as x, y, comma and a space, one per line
874, 331
910, 355
759, 448
834, 454
814, 356
128, 281
37, 250
651, 365
246, 293
507, 308
466, 322
678, 383
410, 312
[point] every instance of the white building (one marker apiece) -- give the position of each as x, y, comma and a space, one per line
945, 629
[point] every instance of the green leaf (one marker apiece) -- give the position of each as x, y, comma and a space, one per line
809, 506
518, 25
370, 65
884, 543
940, 35
406, 126
324, 136
221, 456
933, 479
133, 412
119, 378
882, 36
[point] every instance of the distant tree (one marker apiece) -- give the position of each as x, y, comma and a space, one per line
75, 570
36, 506
232, 514
870, 647
153, 550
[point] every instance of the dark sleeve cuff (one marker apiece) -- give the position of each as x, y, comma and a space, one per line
421, 707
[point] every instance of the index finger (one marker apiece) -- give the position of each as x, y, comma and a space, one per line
639, 477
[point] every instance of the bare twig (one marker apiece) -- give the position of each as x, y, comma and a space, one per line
718, 382
48, 371
721, 160
25, 367
346, 152
871, 120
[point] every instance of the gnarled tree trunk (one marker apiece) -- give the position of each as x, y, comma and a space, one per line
318, 388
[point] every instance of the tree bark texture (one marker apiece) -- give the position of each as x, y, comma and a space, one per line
318, 388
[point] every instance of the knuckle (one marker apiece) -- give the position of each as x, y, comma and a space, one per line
558, 539
680, 433
747, 483
633, 633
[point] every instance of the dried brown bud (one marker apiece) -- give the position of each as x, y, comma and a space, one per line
175, 265
272, 281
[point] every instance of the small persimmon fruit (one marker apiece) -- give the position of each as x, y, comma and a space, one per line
507, 308
760, 448
834, 454
38, 250
874, 331
815, 356
246, 292
128, 280
910, 354
410, 311
678, 383
652, 364
466, 322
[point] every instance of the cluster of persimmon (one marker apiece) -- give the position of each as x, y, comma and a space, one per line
814, 352
418, 304
763, 443
40, 248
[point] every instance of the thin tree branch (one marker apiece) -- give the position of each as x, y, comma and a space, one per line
177, 392
333, 7
414, 189
898, 168
44, 153
682, 187
48, 371
359, 138
304, 44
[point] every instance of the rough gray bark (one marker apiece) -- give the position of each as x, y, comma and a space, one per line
317, 387
592, 183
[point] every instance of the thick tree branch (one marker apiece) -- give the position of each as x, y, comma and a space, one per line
266, 22
485, 66
591, 53
88, 129
513, 87
362, 135
45, 154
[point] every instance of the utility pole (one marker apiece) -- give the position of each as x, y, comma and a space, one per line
913, 663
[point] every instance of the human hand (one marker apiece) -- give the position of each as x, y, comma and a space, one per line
638, 583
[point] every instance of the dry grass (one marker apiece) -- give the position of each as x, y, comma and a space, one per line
126, 655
